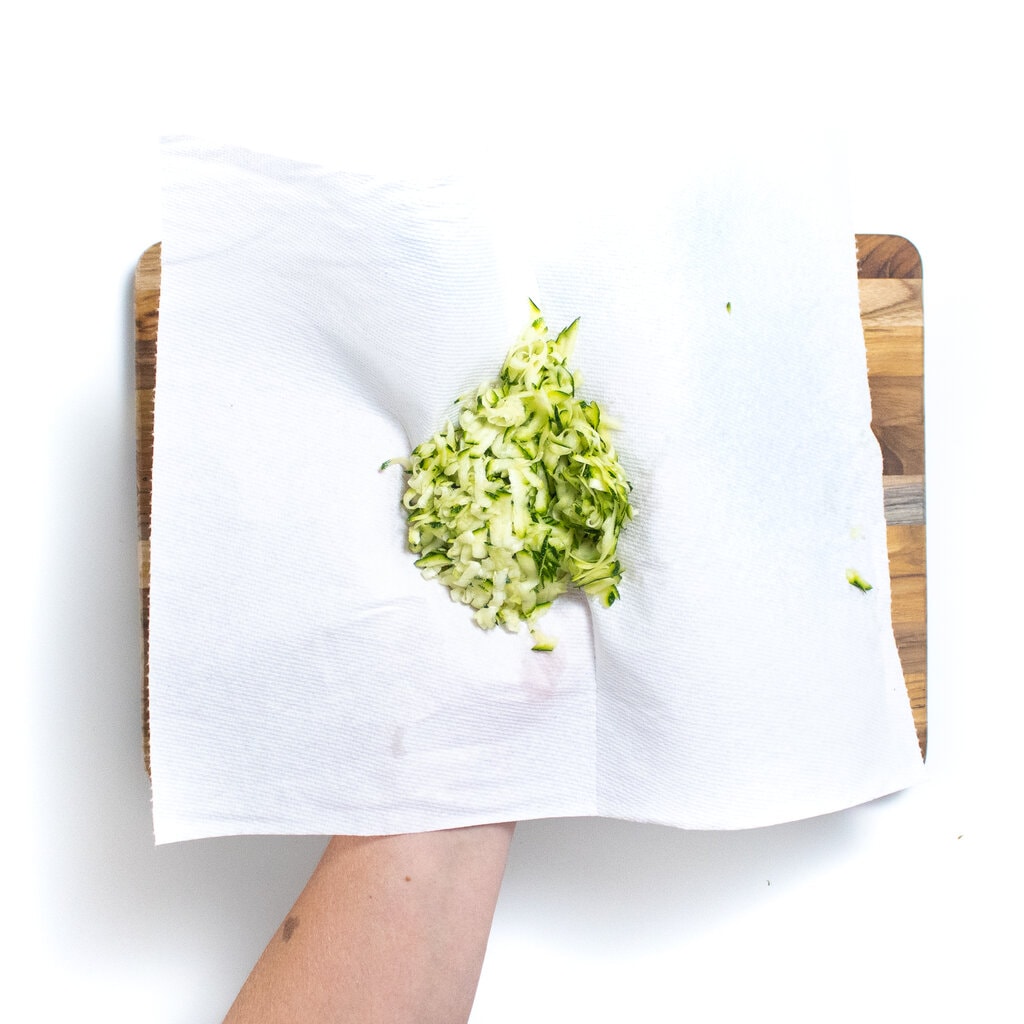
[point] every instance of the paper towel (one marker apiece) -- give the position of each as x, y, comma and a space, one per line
314, 322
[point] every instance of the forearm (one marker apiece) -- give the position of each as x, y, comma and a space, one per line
389, 929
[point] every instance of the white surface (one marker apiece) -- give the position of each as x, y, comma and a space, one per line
602, 921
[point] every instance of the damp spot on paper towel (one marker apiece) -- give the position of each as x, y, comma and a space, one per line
855, 579
541, 676
288, 928
398, 742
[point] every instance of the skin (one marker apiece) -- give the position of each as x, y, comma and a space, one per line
389, 929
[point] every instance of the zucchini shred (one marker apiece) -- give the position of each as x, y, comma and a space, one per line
520, 496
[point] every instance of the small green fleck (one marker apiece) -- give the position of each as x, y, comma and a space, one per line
384, 465
855, 579
728, 307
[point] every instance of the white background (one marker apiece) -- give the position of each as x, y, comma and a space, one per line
906, 907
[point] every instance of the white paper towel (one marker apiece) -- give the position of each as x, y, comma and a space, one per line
314, 322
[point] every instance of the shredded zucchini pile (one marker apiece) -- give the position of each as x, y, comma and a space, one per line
522, 495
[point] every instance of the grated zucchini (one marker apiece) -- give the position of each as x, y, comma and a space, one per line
520, 495
855, 579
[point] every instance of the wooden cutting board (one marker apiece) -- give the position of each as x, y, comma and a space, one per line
892, 314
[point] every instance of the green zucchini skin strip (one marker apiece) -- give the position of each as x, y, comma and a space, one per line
520, 495
855, 579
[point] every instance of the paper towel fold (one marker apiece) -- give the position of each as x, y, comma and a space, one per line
305, 679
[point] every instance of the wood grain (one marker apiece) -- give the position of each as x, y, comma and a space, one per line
147, 317
892, 315
887, 257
